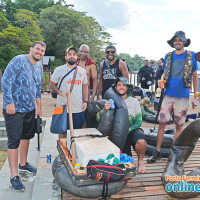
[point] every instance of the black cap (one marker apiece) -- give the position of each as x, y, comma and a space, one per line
110, 47
181, 35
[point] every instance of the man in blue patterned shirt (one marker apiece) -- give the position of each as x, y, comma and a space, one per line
21, 86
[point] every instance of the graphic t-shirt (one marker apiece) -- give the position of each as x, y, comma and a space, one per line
76, 95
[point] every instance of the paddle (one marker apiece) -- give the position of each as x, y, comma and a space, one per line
73, 149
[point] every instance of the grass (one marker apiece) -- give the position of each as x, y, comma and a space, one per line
3, 157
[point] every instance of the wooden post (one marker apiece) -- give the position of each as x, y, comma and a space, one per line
73, 150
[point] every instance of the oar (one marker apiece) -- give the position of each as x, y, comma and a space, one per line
73, 149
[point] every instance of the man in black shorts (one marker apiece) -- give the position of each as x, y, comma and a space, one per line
135, 138
21, 86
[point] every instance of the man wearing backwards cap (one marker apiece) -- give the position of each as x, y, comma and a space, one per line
79, 94
180, 67
135, 137
110, 69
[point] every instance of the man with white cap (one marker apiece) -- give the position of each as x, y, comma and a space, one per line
180, 68
79, 94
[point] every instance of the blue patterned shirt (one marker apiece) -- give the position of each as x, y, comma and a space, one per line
22, 83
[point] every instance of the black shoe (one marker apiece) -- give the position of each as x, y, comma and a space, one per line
17, 184
155, 156
186, 120
28, 168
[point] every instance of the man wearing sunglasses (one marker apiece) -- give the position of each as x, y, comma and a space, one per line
110, 69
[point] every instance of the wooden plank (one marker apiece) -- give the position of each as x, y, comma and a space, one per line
154, 188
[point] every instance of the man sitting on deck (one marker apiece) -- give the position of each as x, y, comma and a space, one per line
135, 136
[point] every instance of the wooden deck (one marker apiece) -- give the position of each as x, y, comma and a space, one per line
149, 186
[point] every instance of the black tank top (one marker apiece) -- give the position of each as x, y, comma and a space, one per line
109, 75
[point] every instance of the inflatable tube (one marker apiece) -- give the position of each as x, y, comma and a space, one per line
121, 120
151, 137
106, 122
91, 112
179, 153
164, 152
120, 128
137, 91
64, 180
150, 118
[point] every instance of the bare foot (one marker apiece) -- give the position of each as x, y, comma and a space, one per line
141, 167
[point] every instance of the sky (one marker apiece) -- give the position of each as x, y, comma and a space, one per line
143, 26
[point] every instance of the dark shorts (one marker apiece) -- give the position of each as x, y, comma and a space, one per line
133, 137
19, 126
78, 120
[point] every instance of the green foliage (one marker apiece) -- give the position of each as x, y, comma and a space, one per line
56, 63
3, 21
134, 63
63, 27
7, 52
17, 40
9, 7
25, 34
15, 35
33, 5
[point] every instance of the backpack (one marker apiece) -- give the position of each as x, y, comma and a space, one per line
106, 173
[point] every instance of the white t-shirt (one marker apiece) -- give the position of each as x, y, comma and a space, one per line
76, 95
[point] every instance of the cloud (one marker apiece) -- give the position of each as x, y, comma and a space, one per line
110, 13
143, 27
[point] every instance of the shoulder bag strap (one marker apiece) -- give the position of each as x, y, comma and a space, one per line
65, 76
74, 78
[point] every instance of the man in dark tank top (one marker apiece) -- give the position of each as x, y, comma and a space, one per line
110, 69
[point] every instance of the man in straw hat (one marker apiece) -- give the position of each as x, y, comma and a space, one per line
135, 137
144, 104
180, 67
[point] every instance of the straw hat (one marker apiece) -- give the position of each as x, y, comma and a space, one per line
145, 101
158, 92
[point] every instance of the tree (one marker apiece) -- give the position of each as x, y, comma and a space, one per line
24, 35
63, 27
7, 52
17, 40
8, 6
4, 22
134, 63
34, 5
27, 20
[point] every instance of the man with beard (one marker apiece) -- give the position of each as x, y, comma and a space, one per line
21, 85
135, 137
79, 94
110, 69
89, 65
180, 67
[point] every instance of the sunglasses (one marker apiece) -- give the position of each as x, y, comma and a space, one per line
108, 52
